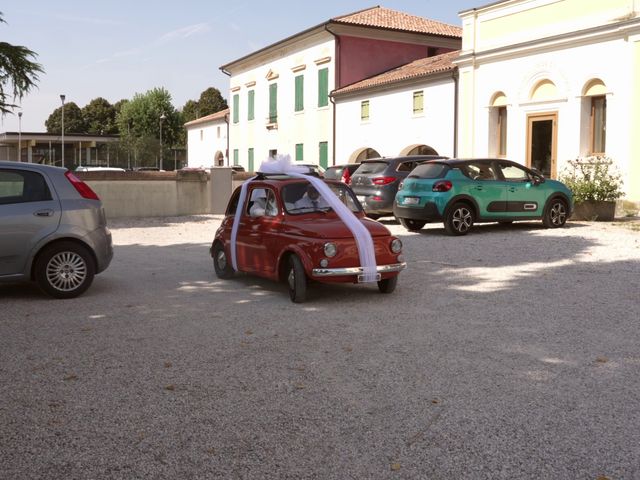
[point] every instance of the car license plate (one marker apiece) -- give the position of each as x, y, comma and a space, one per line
361, 198
411, 200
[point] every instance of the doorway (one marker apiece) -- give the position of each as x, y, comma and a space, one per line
542, 143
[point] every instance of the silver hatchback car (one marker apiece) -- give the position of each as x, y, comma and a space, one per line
53, 229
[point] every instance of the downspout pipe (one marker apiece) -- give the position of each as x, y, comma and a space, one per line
456, 84
226, 118
336, 84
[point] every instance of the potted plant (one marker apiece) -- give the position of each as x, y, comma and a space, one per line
596, 185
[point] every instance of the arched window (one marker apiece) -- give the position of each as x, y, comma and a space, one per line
595, 106
544, 90
498, 122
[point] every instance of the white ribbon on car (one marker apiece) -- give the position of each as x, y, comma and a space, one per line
364, 241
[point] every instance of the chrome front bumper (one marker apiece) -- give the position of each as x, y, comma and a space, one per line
340, 272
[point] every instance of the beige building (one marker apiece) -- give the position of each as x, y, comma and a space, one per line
546, 81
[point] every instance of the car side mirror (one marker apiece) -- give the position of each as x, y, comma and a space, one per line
538, 179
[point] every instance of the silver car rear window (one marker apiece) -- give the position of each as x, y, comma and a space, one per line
371, 167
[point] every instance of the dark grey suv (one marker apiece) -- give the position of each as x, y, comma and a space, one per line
53, 229
376, 181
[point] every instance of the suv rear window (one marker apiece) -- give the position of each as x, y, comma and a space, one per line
429, 170
371, 167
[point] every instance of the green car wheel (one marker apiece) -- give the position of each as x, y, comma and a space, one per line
459, 219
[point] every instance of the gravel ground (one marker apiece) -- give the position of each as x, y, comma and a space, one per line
511, 353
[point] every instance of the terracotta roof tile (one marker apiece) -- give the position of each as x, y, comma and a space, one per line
393, 20
208, 118
422, 67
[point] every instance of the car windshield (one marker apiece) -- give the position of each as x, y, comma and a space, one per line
429, 170
333, 173
301, 197
371, 167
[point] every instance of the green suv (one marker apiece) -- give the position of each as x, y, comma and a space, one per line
463, 192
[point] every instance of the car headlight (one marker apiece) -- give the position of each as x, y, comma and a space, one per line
330, 249
396, 246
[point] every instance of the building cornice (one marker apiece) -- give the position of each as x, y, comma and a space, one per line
586, 36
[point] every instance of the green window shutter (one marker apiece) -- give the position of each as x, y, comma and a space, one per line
299, 152
299, 93
418, 101
323, 87
236, 157
324, 154
364, 110
251, 97
250, 155
273, 103
236, 108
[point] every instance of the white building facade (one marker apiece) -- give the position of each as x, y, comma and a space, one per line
543, 82
280, 96
407, 111
207, 140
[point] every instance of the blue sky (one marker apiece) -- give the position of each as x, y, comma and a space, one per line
117, 48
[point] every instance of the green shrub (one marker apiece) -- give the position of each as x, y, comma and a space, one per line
593, 178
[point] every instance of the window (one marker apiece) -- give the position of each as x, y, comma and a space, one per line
251, 97
299, 106
479, 171
512, 173
418, 102
262, 202
323, 154
299, 152
236, 108
364, 110
502, 132
598, 123
273, 103
273, 152
22, 187
236, 157
406, 166
250, 159
323, 87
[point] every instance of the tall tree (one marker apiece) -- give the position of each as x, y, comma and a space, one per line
18, 73
211, 101
190, 111
73, 120
100, 117
140, 122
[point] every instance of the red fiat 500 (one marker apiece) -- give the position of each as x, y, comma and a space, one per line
284, 234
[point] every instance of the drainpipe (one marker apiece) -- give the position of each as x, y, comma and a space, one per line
226, 117
336, 83
455, 78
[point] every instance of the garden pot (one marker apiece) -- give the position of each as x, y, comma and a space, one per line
598, 210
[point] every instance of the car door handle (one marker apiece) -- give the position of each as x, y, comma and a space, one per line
479, 187
512, 189
44, 213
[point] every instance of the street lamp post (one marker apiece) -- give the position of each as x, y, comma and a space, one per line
162, 118
62, 97
19, 136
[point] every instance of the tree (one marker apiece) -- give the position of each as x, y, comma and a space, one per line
18, 74
139, 123
99, 117
73, 120
211, 101
190, 111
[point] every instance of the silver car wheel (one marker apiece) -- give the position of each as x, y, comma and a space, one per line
66, 271
462, 219
558, 214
